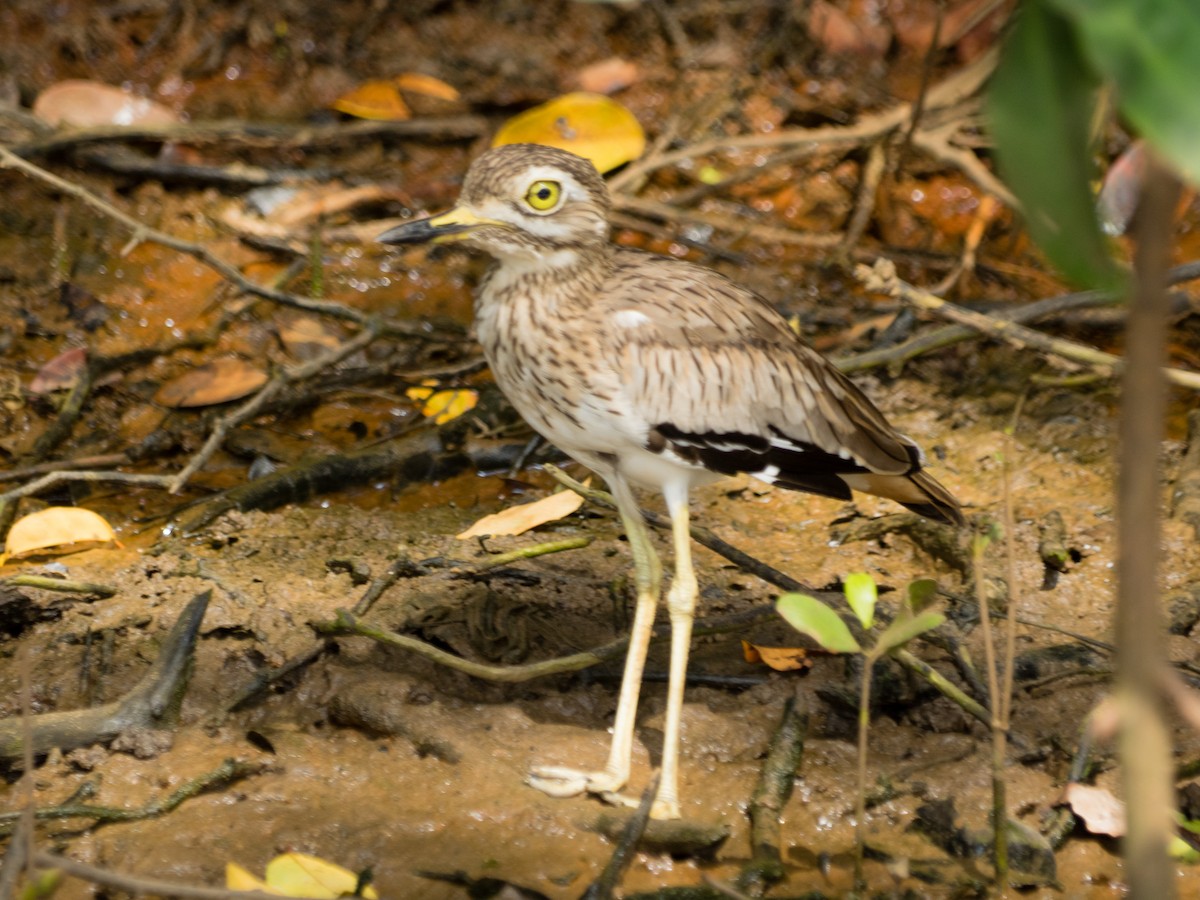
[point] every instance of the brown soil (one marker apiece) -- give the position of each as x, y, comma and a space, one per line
377, 758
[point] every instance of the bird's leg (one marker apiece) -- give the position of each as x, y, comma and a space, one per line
681, 604
563, 781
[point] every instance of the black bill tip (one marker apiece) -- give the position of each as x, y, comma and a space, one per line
418, 232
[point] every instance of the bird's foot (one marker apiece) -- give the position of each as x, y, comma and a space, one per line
563, 781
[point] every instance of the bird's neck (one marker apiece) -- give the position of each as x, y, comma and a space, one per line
549, 280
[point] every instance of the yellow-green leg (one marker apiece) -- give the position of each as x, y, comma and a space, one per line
563, 781
681, 604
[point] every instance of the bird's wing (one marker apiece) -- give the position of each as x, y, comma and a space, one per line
721, 380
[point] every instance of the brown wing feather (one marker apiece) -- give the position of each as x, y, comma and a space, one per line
719, 375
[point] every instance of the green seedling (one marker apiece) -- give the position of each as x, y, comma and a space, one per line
825, 626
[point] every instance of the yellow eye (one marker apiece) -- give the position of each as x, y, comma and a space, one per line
543, 195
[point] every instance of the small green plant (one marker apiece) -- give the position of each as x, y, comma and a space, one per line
821, 623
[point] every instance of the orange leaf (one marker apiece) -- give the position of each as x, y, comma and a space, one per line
427, 85
58, 527
374, 100
608, 75
781, 659
589, 125
219, 381
519, 519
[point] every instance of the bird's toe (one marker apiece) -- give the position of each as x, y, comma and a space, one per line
564, 781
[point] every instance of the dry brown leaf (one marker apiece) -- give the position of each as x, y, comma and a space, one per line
519, 519
219, 381
305, 337
589, 125
781, 659
61, 373
838, 32
608, 75
87, 103
1102, 813
61, 528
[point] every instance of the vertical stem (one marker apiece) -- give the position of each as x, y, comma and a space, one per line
864, 724
999, 788
1144, 741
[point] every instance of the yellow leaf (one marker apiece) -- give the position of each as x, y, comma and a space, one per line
301, 875
238, 879
781, 659
519, 519
427, 85
374, 100
589, 125
56, 527
442, 406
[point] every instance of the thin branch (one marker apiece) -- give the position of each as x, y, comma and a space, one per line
872, 127
883, 279
53, 478
277, 383
139, 886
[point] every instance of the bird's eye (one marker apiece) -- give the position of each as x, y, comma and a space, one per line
543, 195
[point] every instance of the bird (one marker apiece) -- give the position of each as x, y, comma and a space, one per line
661, 375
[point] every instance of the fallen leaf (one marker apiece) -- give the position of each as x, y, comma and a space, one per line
781, 659
1122, 188
374, 100
90, 103
838, 32
589, 125
442, 406
519, 519
608, 75
61, 373
239, 879
302, 875
61, 528
1101, 812
305, 337
219, 381
427, 85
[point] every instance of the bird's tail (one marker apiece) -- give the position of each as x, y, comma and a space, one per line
918, 491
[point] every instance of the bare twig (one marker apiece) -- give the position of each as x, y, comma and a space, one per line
867, 189
882, 278
251, 407
139, 886
53, 478
666, 212
260, 134
870, 128
1145, 741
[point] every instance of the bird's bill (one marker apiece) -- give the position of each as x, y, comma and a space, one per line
453, 225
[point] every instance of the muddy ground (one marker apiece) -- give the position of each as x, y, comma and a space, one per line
378, 758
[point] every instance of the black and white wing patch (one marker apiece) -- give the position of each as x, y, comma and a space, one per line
777, 459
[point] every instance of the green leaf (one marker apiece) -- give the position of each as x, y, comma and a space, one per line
1040, 104
861, 594
812, 617
1150, 50
919, 595
903, 630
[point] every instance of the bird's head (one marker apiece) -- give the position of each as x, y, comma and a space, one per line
522, 201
